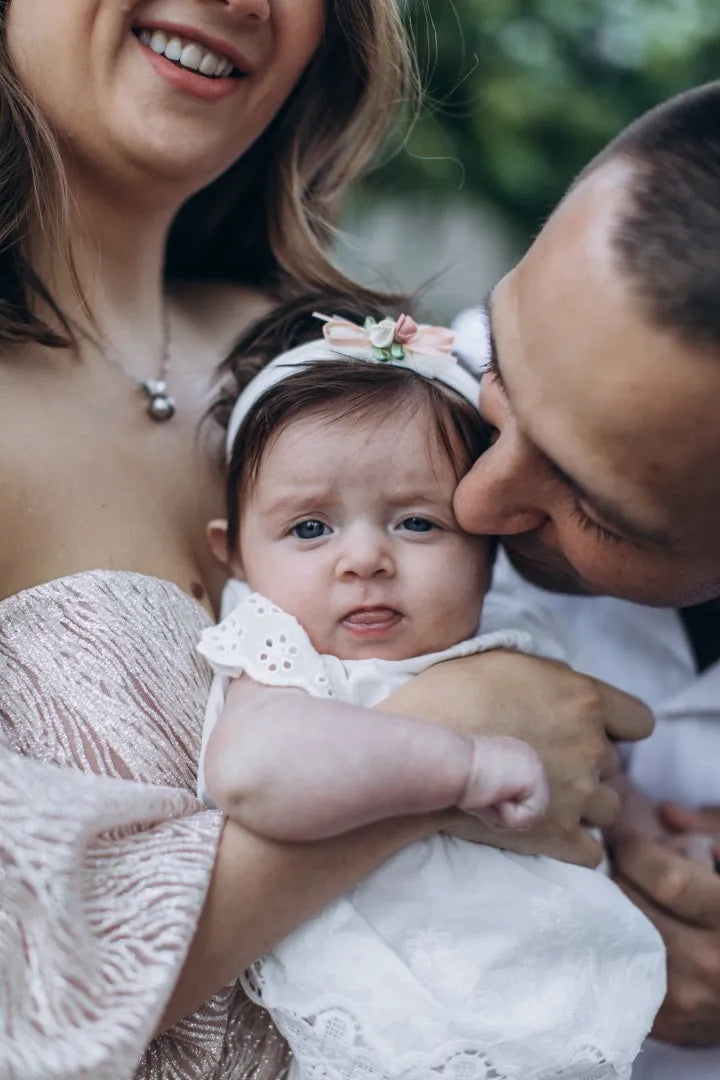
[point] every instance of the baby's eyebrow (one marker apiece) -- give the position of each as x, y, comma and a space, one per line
294, 500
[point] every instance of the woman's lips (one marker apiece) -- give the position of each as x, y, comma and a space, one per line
369, 621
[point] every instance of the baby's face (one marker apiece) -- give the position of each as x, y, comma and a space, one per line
350, 528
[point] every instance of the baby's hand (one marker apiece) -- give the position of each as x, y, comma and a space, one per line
507, 786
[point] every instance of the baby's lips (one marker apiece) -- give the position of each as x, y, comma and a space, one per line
371, 616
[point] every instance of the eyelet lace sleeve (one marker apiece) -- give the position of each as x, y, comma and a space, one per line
260, 639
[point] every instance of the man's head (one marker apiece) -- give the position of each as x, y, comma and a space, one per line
605, 383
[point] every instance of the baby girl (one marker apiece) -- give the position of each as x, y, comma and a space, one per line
350, 575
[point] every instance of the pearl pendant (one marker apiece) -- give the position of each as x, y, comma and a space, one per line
160, 405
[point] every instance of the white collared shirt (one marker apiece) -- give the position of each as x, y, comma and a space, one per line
646, 652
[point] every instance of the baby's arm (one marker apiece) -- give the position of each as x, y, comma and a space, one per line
289, 766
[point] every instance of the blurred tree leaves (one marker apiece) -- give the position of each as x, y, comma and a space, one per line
522, 93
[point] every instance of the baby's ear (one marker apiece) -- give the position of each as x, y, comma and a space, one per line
217, 534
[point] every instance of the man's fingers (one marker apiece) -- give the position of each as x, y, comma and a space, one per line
611, 764
681, 819
604, 807
685, 889
575, 846
627, 718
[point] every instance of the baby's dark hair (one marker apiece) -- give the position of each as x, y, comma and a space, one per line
336, 391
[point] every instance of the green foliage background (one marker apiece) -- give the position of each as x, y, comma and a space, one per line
522, 93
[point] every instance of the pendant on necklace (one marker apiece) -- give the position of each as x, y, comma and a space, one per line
161, 406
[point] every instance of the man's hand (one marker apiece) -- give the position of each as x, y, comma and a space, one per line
571, 720
682, 899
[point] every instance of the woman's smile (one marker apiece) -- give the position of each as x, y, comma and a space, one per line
191, 62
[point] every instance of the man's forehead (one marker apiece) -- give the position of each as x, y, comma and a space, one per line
577, 238
597, 387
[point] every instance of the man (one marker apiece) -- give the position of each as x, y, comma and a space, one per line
604, 479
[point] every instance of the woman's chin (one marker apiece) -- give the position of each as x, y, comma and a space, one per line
151, 165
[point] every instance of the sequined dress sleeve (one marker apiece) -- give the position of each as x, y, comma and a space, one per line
106, 853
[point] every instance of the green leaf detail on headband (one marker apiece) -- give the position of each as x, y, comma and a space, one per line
385, 346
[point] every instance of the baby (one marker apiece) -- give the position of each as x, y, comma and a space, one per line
350, 576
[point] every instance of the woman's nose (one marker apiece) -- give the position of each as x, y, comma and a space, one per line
253, 9
503, 493
366, 553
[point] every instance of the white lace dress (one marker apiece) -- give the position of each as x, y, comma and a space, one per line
453, 960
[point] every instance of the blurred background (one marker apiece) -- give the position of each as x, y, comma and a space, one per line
520, 95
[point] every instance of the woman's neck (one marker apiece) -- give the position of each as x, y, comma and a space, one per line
118, 255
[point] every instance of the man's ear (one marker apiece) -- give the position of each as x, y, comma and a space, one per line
217, 534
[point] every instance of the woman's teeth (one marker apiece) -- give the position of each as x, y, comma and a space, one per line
188, 54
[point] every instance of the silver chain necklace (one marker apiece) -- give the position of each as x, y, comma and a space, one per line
160, 404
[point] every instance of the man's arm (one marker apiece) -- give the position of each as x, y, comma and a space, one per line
289, 766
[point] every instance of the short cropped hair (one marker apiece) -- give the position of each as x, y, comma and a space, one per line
667, 240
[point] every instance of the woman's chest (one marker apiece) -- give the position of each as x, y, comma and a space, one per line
85, 488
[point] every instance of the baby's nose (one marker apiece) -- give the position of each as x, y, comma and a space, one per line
366, 553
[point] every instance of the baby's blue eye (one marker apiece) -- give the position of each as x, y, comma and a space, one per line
417, 524
310, 529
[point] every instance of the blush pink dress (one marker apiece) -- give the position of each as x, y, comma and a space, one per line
105, 853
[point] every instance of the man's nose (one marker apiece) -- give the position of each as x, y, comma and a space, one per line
366, 553
504, 491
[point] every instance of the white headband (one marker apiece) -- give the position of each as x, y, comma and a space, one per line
424, 349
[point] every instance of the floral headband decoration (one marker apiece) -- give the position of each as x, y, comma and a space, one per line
389, 340
426, 350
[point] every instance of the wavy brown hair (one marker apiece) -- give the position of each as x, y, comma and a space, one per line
268, 220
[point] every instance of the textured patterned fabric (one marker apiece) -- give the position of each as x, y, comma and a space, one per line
103, 876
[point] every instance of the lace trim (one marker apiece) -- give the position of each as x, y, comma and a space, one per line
330, 1044
262, 640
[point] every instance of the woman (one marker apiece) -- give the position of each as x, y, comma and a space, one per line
167, 165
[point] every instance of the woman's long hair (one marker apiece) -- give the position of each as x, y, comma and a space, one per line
268, 220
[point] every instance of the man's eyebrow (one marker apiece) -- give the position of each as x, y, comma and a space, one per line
606, 511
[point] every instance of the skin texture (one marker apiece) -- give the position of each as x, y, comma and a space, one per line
87, 481
134, 152
681, 895
585, 384
289, 766
135, 148
350, 528
116, 115
580, 719
589, 387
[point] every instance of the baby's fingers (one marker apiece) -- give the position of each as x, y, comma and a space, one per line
507, 785
514, 815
